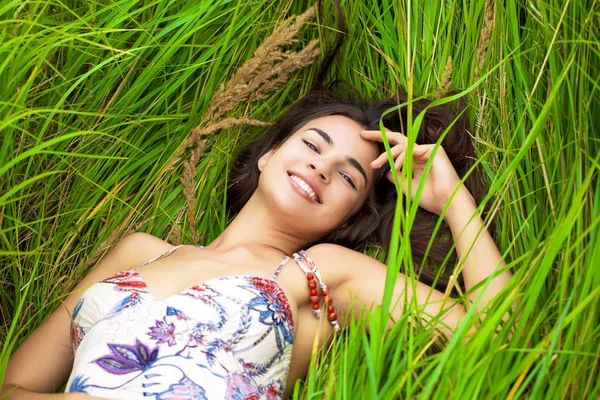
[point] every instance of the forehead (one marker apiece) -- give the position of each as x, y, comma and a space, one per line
345, 133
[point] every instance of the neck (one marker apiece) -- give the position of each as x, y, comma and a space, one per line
256, 227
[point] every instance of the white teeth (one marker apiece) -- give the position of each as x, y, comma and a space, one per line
304, 186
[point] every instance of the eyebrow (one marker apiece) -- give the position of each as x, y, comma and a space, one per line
351, 160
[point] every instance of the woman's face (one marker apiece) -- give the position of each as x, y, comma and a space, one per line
320, 176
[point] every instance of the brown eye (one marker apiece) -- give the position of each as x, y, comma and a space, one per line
311, 146
348, 179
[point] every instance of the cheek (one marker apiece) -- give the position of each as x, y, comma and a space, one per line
346, 201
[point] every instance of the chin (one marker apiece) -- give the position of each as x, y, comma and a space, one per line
290, 204
297, 214
295, 210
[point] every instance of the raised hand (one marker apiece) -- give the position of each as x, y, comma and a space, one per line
441, 181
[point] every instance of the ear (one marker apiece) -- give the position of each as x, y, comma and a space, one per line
262, 161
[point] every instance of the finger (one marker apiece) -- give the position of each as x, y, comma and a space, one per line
383, 158
400, 161
423, 151
393, 137
397, 166
416, 181
404, 183
421, 154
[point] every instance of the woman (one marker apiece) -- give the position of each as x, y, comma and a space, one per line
224, 320
238, 318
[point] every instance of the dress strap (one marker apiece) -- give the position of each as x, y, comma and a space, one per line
313, 268
166, 253
280, 267
313, 275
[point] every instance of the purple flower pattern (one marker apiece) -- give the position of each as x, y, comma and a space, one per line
185, 389
125, 358
241, 318
163, 332
240, 387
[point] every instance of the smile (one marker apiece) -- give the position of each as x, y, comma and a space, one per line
305, 188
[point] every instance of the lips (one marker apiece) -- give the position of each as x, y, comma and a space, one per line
307, 186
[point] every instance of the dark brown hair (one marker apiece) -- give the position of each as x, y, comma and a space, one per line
373, 223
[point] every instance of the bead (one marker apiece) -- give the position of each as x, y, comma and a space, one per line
310, 277
314, 299
330, 309
328, 300
316, 306
325, 292
312, 284
313, 292
332, 317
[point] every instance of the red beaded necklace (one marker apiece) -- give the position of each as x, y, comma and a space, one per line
314, 278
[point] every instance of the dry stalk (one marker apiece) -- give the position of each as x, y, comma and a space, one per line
189, 169
446, 78
484, 36
266, 71
197, 134
189, 189
174, 235
481, 116
272, 80
104, 246
243, 83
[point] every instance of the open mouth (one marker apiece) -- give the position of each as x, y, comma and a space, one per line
307, 188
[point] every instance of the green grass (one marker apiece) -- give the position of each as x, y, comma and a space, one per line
97, 96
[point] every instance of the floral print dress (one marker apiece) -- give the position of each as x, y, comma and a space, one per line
227, 338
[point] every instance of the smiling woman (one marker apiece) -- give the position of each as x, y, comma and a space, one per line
236, 319
323, 169
336, 134
157, 325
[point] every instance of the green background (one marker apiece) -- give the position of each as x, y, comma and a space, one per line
97, 97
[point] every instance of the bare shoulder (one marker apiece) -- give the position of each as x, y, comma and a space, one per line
353, 262
137, 248
132, 250
141, 238
358, 280
363, 282
48, 347
336, 251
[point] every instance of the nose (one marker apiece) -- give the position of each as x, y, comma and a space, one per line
319, 171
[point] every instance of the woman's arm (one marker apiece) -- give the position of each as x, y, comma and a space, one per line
366, 277
44, 360
365, 283
476, 249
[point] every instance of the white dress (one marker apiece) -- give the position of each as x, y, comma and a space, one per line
227, 338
